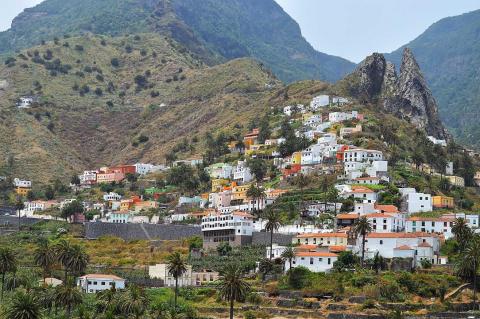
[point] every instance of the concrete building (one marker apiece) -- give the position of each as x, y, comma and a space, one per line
234, 228
413, 202
319, 102
189, 279
94, 283
441, 225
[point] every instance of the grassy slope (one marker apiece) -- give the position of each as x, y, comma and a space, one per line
89, 133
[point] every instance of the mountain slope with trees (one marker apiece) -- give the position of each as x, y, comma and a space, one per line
215, 30
448, 53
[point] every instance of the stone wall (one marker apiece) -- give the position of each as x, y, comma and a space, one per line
141, 231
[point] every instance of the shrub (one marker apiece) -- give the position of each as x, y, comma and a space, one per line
143, 139
110, 104
298, 277
143, 52
98, 92
103, 42
115, 62
100, 78
391, 291
128, 49
79, 47
368, 304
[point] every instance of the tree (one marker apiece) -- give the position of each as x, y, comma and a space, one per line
362, 227
44, 257
23, 306
332, 196
265, 130
63, 252
78, 260
75, 180
232, 286
378, 262
462, 232
49, 192
68, 296
8, 263
75, 207
468, 264
301, 181
418, 157
274, 222
288, 254
256, 193
265, 267
134, 302
298, 277
258, 167
224, 248
176, 266
19, 206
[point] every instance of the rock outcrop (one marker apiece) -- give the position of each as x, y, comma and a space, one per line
406, 95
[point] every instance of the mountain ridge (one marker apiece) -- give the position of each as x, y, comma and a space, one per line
215, 30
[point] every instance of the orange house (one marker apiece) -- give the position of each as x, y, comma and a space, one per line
251, 138
294, 169
124, 169
341, 152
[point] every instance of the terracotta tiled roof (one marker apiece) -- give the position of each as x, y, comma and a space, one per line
347, 216
315, 254
378, 215
324, 235
387, 208
400, 235
425, 244
404, 247
360, 189
337, 248
306, 247
102, 276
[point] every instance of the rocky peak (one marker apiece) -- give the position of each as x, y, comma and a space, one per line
406, 95
414, 100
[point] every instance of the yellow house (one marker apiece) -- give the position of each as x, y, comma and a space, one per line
22, 191
306, 116
297, 158
323, 239
456, 181
240, 192
125, 205
218, 184
443, 202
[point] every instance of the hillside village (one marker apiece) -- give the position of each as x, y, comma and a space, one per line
172, 174
304, 184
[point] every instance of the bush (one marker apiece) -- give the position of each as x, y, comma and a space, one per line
98, 92
79, 47
298, 277
391, 291
143, 139
115, 62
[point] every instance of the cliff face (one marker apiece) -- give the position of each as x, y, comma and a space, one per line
406, 95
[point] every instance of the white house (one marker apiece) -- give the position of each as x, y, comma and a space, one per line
337, 117
144, 169
321, 239
277, 251
119, 217
242, 173
337, 100
189, 278
315, 261
220, 170
290, 109
22, 183
24, 102
94, 283
437, 141
418, 246
362, 155
111, 197
88, 178
312, 155
319, 102
235, 228
313, 120
441, 225
386, 223
413, 202
360, 193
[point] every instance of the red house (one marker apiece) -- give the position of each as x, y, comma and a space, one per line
124, 169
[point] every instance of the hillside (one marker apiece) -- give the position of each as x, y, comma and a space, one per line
215, 30
115, 100
448, 53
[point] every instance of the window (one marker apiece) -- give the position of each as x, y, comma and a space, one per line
329, 261
103, 283
381, 242
311, 261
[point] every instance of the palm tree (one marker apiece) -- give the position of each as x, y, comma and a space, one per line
378, 263
78, 259
176, 266
44, 257
362, 227
8, 263
332, 196
462, 232
63, 251
256, 193
134, 302
232, 285
467, 266
19, 205
68, 296
23, 306
288, 254
274, 221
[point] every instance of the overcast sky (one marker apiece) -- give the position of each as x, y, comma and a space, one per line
349, 28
